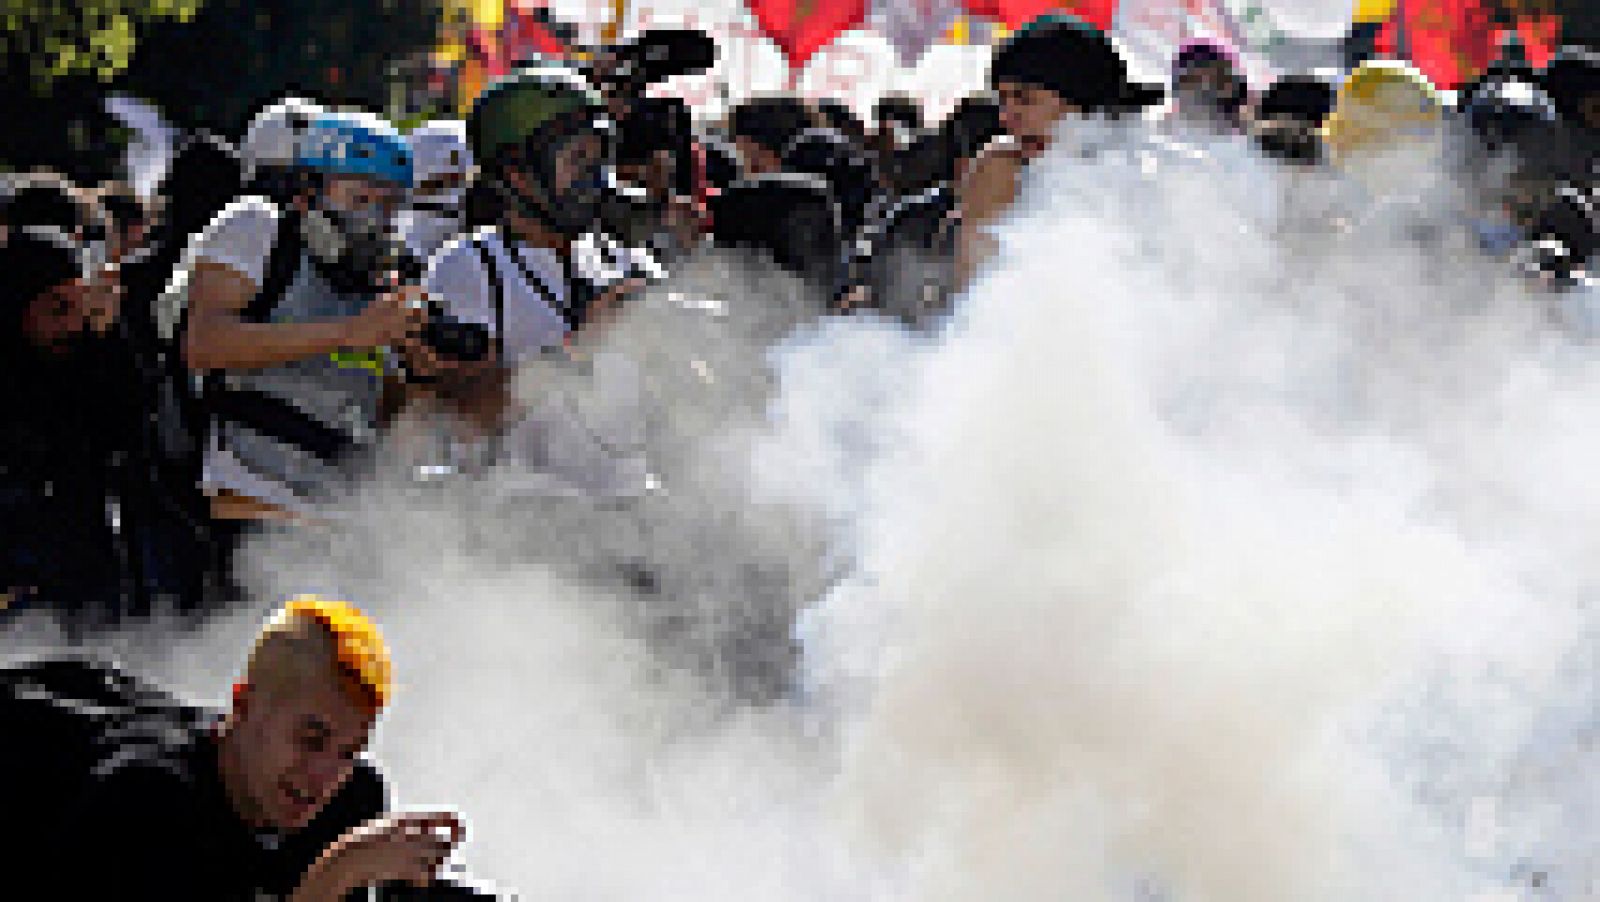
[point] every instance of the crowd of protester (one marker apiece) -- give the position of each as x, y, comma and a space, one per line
186, 368
187, 371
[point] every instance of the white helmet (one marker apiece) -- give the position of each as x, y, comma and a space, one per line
274, 135
439, 148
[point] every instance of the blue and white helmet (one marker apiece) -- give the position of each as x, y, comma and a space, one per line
274, 135
356, 143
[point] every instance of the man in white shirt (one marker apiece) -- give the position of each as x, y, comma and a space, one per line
282, 308
541, 140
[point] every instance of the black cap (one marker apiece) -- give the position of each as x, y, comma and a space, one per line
1074, 60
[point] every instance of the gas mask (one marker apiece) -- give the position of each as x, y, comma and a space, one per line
571, 211
447, 202
355, 250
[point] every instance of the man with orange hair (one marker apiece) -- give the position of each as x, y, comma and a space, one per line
272, 800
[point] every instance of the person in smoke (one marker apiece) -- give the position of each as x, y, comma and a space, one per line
287, 308
1510, 161
436, 211
1386, 140
271, 799
790, 219
1572, 80
764, 127
1050, 75
1288, 119
542, 140
897, 122
829, 155
1209, 93
655, 168
96, 518
1386, 114
65, 417
940, 156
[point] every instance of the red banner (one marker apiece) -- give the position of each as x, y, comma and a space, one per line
802, 27
1017, 13
1453, 41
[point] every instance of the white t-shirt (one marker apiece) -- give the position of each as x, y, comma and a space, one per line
424, 231
578, 434
532, 318
239, 237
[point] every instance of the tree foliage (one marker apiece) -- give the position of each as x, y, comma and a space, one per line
66, 38
233, 56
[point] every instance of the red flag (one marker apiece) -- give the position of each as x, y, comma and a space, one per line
483, 44
1541, 34
802, 27
1453, 41
527, 33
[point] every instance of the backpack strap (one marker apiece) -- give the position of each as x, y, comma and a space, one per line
497, 293
283, 264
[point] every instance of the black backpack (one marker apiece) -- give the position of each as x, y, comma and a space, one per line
63, 718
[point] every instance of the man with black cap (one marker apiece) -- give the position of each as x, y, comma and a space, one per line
1054, 68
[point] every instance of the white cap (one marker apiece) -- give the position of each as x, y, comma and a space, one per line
273, 137
439, 148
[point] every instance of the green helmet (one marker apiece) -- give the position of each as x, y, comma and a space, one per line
521, 105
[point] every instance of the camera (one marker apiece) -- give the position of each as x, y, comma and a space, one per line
655, 56
442, 334
452, 338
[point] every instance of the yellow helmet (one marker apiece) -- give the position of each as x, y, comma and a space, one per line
1382, 105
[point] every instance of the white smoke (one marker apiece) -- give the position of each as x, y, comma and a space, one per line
1197, 559
1210, 570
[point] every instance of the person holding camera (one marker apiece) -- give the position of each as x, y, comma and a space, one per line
287, 309
543, 142
271, 799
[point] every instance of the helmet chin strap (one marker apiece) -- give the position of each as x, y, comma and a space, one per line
536, 208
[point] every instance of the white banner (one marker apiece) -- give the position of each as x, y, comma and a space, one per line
912, 26
858, 68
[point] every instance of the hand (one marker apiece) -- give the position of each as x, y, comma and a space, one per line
388, 319
605, 305
684, 219
425, 364
408, 847
102, 299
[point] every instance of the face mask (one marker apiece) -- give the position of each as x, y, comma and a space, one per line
354, 248
585, 193
571, 212
444, 203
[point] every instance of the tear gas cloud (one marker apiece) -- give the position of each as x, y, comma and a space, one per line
1189, 561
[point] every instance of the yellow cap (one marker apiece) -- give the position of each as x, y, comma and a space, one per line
1382, 103
362, 652
1369, 11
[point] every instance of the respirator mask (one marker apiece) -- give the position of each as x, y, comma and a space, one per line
571, 209
355, 250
